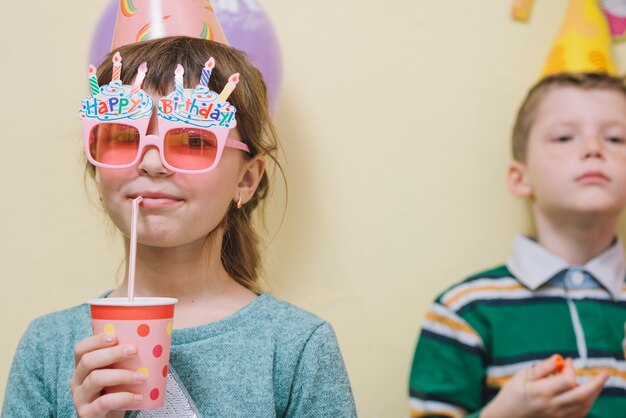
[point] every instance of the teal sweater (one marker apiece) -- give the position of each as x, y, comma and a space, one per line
268, 359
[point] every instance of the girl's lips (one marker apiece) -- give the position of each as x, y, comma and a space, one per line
150, 202
157, 200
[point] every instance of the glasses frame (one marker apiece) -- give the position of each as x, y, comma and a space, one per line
158, 141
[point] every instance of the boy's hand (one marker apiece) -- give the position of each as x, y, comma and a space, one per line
92, 356
544, 391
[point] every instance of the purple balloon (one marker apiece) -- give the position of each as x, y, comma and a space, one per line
248, 28
245, 24
102, 37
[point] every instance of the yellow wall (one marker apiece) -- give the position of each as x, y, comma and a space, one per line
392, 197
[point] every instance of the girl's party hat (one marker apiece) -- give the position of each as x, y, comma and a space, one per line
583, 43
142, 20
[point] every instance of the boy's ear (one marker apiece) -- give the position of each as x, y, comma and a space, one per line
517, 180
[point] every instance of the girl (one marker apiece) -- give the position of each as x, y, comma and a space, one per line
235, 350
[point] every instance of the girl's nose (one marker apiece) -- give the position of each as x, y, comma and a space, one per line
150, 163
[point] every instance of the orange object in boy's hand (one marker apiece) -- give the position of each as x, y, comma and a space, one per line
558, 360
542, 392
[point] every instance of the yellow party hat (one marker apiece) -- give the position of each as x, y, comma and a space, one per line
583, 43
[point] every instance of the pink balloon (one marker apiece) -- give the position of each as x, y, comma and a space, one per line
245, 24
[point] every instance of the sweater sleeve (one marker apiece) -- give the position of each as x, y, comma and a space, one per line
321, 387
26, 393
448, 372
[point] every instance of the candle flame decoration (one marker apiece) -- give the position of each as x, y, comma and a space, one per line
141, 74
178, 80
117, 67
228, 89
93, 80
206, 72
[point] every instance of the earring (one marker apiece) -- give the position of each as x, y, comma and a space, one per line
239, 202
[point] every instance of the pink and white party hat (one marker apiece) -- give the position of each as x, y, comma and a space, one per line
142, 20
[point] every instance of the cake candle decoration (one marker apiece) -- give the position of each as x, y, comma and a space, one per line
141, 74
178, 81
117, 67
206, 72
230, 86
93, 80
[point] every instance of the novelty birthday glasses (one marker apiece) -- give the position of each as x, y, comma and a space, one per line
193, 123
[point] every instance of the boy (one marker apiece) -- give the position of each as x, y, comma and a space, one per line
493, 345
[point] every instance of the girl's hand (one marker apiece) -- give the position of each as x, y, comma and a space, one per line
546, 391
91, 357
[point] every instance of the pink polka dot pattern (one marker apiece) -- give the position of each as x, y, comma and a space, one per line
152, 338
154, 394
157, 351
143, 330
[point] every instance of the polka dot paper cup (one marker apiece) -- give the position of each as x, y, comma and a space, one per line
147, 324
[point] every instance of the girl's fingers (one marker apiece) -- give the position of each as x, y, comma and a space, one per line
101, 358
545, 367
109, 402
92, 343
586, 392
99, 379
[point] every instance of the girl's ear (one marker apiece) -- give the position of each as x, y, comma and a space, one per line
517, 180
251, 175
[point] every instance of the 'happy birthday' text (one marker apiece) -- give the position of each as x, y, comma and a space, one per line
189, 106
113, 104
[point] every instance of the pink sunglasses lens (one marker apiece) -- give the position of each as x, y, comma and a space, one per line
190, 148
114, 143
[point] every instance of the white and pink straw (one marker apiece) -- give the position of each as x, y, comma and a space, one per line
133, 248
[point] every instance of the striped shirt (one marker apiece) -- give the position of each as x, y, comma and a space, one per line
480, 332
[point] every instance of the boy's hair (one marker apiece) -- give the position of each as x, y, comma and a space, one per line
240, 253
527, 112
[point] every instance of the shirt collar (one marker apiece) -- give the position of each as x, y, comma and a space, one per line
533, 265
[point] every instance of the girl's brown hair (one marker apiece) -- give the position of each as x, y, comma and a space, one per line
528, 110
240, 252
